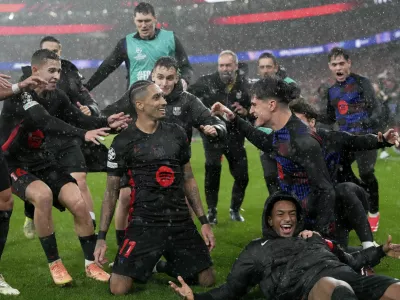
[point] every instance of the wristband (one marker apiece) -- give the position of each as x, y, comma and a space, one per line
15, 88
203, 220
102, 235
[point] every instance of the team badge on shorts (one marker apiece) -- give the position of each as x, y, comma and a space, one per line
177, 111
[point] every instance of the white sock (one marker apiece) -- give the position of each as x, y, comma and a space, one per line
88, 262
373, 215
92, 215
366, 245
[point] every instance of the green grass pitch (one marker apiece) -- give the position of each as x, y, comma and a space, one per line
25, 267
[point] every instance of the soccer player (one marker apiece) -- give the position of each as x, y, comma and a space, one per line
268, 65
229, 87
76, 162
141, 49
30, 132
157, 156
351, 199
6, 200
182, 108
353, 105
289, 265
300, 162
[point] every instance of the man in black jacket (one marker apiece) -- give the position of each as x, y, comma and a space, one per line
288, 266
229, 87
76, 159
182, 108
141, 49
353, 105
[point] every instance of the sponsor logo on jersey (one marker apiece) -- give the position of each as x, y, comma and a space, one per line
165, 176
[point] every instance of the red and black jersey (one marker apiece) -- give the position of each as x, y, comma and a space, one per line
33, 126
155, 163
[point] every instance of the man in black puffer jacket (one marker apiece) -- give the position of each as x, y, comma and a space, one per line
289, 265
182, 108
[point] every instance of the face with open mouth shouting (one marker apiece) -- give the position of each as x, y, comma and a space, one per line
340, 67
283, 218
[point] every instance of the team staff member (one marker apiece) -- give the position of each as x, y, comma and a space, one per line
182, 108
229, 87
288, 265
353, 105
157, 156
141, 49
93, 157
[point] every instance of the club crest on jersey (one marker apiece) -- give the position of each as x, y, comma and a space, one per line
139, 54
111, 154
177, 111
238, 94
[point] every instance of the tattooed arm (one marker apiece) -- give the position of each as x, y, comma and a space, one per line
192, 191
193, 196
107, 213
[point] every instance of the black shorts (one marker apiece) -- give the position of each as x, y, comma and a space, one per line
71, 159
4, 175
54, 176
124, 181
182, 247
365, 287
95, 157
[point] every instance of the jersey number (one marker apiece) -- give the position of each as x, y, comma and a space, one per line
131, 244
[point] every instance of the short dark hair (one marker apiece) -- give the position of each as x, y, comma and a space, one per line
302, 106
273, 87
49, 39
335, 52
167, 62
267, 55
42, 55
144, 8
138, 89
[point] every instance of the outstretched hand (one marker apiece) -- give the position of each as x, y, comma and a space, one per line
4, 83
218, 109
391, 136
392, 250
209, 130
184, 291
119, 121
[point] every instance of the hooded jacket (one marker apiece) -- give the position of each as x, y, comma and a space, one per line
182, 108
71, 83
287, 268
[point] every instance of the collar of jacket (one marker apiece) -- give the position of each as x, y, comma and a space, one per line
156, 32
175, 94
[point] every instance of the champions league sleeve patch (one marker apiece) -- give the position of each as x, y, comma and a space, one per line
111, 157
27, 101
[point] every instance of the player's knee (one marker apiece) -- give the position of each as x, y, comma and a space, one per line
6, 200
120, 285
207, 277
78, 207
42, 199
125, 197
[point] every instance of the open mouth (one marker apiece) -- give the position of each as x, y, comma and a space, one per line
339, 74
286, 229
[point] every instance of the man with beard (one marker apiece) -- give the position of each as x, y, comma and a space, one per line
353, 105
77, 160
141, 49
292, 266
229, 87
182, 108
156, 155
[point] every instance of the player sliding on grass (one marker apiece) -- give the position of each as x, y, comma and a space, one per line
289, 264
